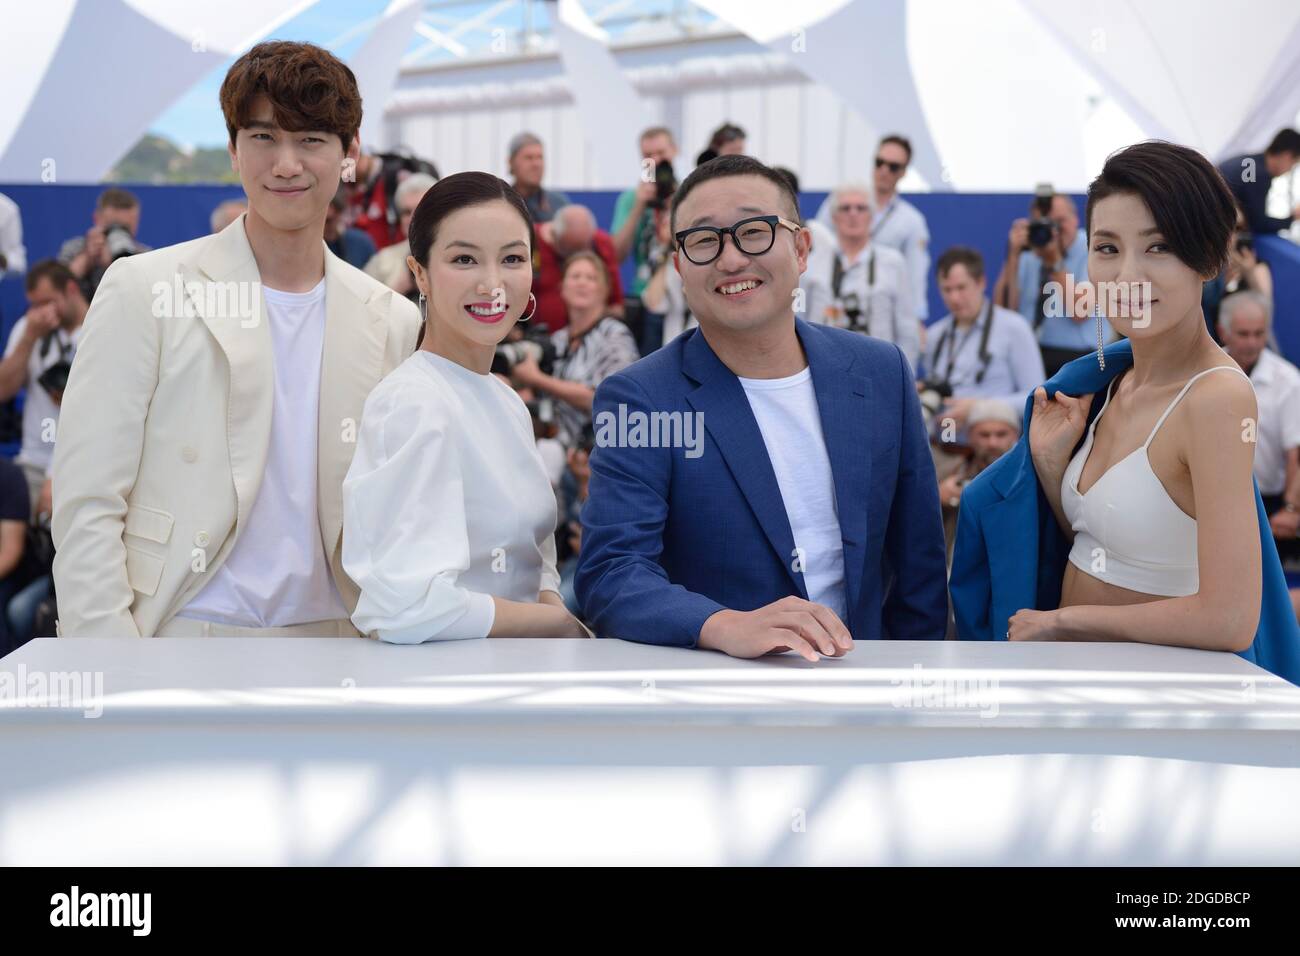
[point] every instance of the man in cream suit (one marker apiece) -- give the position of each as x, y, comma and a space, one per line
212, 410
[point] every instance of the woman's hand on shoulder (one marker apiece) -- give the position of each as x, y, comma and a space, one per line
1057, 425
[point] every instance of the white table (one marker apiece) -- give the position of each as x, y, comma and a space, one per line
344, 751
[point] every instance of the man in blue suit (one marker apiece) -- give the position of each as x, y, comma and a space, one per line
761, 483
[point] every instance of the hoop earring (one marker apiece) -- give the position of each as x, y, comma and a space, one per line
1101, 356
525, 318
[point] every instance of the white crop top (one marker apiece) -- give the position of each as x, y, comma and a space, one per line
1127, 530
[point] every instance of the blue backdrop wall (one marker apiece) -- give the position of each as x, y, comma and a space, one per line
171, 213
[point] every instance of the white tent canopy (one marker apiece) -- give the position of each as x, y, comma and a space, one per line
996, 95
74, 104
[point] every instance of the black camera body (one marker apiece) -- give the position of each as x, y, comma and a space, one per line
932, 395
536, 344
665, 184
1041, 227
1041, 232
119, 241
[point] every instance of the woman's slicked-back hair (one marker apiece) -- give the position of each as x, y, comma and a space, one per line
1191, 204
452, 194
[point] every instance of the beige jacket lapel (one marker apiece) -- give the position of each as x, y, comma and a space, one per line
356, 334
225, 288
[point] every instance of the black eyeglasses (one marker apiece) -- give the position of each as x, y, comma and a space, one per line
893, 167
753, 237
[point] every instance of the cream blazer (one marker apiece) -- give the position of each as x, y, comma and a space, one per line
163, 433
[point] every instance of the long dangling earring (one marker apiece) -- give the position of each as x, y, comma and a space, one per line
424, 321
1101, 356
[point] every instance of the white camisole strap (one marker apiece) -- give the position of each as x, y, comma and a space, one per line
1179, 396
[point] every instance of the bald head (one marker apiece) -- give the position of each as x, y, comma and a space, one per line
573, 228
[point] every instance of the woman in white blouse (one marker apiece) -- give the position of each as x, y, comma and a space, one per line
448, 516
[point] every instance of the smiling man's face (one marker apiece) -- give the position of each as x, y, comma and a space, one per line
737, 291
289, 176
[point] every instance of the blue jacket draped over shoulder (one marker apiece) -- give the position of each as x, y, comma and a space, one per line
1010, 552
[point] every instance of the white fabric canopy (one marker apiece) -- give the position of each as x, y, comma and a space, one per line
1219, 77
859, 50
77, 103
612, 113
378, 61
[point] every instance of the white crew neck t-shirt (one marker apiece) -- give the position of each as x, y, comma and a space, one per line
787, 414
277, 574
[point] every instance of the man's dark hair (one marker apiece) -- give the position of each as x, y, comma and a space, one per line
1191, 204
60, 276
790, 176
962, 256
899, 140
734, 166
1286, 141
115, 197
309, 89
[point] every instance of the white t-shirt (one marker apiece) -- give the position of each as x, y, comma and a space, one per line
446, 505
277, 574
39, 409
787, 414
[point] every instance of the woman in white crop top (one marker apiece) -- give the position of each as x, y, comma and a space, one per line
1158, 500
448, 514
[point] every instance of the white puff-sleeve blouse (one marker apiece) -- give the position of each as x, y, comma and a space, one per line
446, 504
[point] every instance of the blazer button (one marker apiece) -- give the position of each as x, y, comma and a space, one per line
201, 539
189, 454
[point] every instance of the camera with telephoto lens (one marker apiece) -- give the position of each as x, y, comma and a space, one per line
1041, 228
665, 184
536, 344
119, 241
932, 395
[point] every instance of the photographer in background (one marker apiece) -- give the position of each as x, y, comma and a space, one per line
527, 162
38, 358
592, 347
638, 209
1243, 272
666, 312
1245, 325
1250, 177
13, 254
116, 221
1041, 251
857, 284
388, 265
353, 246
977, 351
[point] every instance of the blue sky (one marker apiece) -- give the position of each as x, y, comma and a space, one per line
341, 26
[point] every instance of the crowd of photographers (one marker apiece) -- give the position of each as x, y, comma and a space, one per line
868, 270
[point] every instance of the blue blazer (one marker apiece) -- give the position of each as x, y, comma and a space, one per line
668, 540
1011, 553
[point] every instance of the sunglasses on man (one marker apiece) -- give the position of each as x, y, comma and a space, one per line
893, 167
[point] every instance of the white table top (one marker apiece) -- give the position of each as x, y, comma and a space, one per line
883, 683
